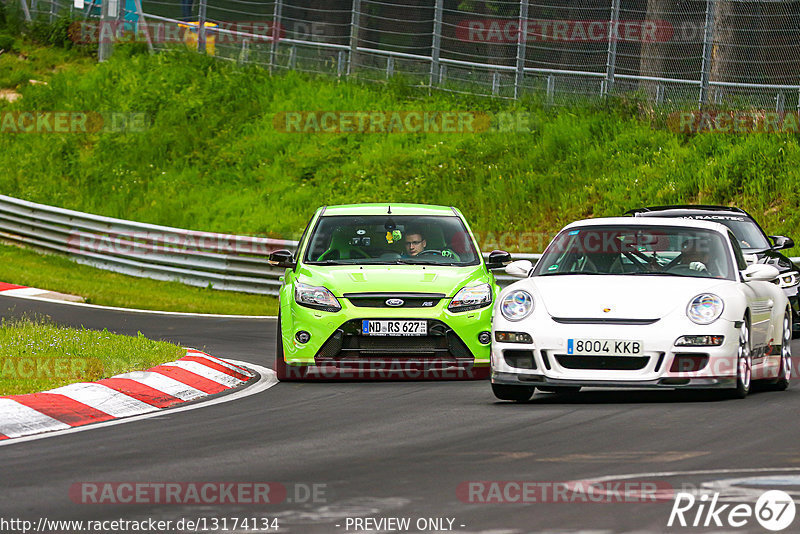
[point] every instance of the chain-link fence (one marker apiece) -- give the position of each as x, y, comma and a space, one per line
672, 52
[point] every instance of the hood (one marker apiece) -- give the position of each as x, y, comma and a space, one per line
627, 297
341, 279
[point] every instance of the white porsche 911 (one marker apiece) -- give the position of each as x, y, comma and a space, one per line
622, 302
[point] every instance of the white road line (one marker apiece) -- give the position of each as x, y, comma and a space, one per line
134, 310
266, 381
206, 372
23, 292
104, 398
19, 420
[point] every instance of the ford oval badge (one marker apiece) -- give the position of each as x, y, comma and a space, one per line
394, 303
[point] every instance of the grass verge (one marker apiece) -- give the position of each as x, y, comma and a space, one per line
36, 355
56, 273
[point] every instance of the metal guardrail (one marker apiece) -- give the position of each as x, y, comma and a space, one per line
201, 259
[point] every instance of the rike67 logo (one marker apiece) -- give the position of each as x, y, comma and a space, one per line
774, 510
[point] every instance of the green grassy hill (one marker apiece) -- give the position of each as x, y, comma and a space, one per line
211, 158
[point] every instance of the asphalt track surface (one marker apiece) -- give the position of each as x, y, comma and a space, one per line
402, 449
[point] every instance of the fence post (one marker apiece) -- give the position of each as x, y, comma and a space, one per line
277, 14
708, 43
143, 23
780, 102
611, 59
355, 20
340, 62
495, 83
389, 67
522, 41
108, 14
26, 10
201, 27
292, 57
436, 42
53, 9
551, 89
244, 54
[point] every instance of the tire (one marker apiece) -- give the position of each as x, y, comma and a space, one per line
560, 390
744, 362
785, 369
513, 393
280, 361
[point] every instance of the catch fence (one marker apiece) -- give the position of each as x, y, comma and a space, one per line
729, 53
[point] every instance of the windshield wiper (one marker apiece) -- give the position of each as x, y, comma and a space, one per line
573, 272
662, 273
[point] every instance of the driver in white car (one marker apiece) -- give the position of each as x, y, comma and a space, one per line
696, 254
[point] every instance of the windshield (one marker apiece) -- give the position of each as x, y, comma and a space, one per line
651, 250
746, 230
390, 239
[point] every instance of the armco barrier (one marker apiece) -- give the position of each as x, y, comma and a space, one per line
202, 259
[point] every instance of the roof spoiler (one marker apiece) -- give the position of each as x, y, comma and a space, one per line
708, 207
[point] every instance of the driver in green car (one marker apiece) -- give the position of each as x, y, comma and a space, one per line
415, 242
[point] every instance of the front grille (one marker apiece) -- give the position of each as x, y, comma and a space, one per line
519, 358
609, 363
365, 344
410, 300
348, 344
688, 362
603, 320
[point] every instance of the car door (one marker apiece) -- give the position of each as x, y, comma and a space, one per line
760, 302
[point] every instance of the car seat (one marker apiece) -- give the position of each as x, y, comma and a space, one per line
340, 247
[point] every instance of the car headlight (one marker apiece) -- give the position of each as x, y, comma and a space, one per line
516, 305
789, 279
705, 308
471, 298
319, 298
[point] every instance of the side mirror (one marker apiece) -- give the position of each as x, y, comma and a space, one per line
781, 242
760, 272
498, 259
282, 258
519, 268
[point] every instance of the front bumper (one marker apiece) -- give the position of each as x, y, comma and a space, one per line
661, 364
337, 348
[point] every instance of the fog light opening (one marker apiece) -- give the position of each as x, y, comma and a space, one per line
302, 337
485, 338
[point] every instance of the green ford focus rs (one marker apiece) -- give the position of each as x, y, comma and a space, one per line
386, 291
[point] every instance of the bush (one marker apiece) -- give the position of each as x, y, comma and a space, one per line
7, 42
55, 34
